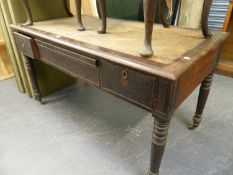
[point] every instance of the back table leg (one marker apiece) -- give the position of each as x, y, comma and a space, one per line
33, 78
203, 95
159, 139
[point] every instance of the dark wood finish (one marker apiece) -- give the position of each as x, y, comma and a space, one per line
203, 95
134, 86
33, 78
67, 9
77, 65
78, 4
204, 19
155, 84
26, 45
158, 143
202, 68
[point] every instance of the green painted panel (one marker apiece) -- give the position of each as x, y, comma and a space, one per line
41, 9
50, 79
123, 9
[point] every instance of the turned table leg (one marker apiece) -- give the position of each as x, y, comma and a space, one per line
159, 139
149, 16
33, 78
102, 10
204, 19
78, 4
67, 9
28, 12
203, 95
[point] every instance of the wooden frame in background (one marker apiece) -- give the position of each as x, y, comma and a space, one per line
225, 66
6, 70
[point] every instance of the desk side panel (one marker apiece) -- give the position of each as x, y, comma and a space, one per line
190, 79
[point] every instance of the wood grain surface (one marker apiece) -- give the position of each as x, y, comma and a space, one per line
176, 49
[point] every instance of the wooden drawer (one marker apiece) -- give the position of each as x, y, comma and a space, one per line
77, 65
26, 45
136, 87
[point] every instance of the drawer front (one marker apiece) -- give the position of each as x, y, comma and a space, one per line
136, 87
26, 45
74, 64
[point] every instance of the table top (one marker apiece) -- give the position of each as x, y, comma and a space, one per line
175, 49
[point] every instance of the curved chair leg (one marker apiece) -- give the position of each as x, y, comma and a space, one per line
159, 139
78, 4
203, 95
204, 19
102, 10
161, 7
67, 9
98, 10
149, 16
28, 13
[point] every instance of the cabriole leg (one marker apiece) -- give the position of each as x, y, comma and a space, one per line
203, 95
33, 78
149, 16
28, 13
67, 9
102, 10
78, 4
204, 19
161, 7
159, 139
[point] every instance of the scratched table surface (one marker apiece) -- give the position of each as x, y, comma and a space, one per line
175, 49
169, 44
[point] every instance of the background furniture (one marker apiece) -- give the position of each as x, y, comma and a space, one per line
225, 66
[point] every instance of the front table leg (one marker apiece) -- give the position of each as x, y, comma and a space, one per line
159, 139
33, 78
203, 95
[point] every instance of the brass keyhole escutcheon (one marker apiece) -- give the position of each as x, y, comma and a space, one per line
22, 44
124, 78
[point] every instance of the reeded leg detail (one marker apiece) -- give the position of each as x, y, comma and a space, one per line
102, 13
78, 4
203, 96
204, 19
159, 139
67, 9
149, 16
32, 75
28, 13
161, 7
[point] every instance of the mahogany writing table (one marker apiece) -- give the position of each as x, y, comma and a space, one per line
182, 60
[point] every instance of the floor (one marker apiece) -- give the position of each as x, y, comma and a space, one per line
82, 130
